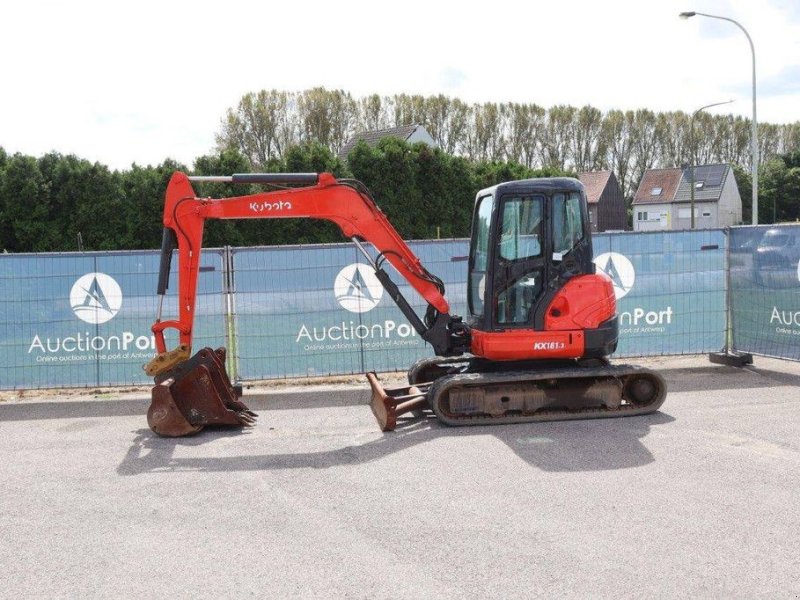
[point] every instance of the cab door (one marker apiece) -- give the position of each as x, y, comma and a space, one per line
520, 260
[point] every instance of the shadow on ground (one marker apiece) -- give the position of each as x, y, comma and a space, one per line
591, 445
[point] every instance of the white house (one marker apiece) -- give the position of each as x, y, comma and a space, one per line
663, 200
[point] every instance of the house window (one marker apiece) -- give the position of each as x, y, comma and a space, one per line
647, 216
686, 213
656, 191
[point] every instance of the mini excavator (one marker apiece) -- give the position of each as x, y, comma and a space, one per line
534, 346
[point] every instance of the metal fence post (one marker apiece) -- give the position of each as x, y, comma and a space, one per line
229, 310
728, 355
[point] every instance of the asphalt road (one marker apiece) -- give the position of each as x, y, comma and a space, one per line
699, 500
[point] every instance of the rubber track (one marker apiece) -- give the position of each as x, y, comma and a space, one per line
619, 372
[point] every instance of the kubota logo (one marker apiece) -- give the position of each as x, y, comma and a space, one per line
95, 298
357, 289
619, 269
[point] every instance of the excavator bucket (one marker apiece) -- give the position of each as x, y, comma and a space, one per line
196, 393
389, 403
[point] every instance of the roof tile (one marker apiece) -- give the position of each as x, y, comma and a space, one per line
666, 179
595, 183
373, 137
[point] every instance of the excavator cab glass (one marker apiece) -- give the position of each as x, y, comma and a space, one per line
479, 255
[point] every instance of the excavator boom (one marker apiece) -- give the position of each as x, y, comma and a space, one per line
346, 203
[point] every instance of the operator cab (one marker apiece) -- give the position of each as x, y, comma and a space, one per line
528, 238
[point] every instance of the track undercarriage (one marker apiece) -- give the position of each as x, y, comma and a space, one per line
473, 391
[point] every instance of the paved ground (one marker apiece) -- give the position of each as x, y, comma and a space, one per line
699, 500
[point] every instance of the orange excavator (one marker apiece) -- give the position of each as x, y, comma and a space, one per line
535, 343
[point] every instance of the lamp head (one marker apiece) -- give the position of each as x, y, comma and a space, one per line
686, 15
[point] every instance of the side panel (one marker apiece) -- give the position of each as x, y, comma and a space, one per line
523, 344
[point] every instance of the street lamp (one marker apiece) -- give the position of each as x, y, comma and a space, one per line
754, 134
694, 150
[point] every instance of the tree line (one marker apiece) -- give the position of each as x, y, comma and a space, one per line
65, 203
61, 203
266, 123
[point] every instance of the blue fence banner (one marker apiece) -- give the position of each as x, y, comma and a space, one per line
319, 310
670, 289
83, 319
765, 290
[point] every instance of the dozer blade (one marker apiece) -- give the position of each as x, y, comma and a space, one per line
387, 404
196, 393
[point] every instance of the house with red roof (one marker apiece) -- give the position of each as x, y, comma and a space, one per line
606, 201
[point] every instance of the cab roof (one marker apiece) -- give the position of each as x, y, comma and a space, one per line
544, 185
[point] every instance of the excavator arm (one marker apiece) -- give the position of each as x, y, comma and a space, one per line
347, 203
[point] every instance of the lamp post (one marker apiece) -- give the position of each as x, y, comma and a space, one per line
694, 150
754, 134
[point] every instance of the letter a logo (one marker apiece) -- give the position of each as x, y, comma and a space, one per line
95, 298
357, 289
619, 269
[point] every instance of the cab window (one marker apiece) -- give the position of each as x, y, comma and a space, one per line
567, 222
480, 253
521, 230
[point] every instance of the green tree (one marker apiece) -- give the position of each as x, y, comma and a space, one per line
227, 232
779, 189
526, 125
372, 113
6, 233
557, 135
26, 207
588, 145
144, 189
446, 190
311, 157
744, 182
85, 203
327, 116
390, 172
261, 126
408, 109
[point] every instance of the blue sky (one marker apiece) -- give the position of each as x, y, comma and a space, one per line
123, 82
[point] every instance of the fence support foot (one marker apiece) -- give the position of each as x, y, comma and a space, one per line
731, 358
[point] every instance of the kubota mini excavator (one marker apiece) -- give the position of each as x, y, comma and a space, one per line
533, 348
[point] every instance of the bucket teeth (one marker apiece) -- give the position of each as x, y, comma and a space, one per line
196, 393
